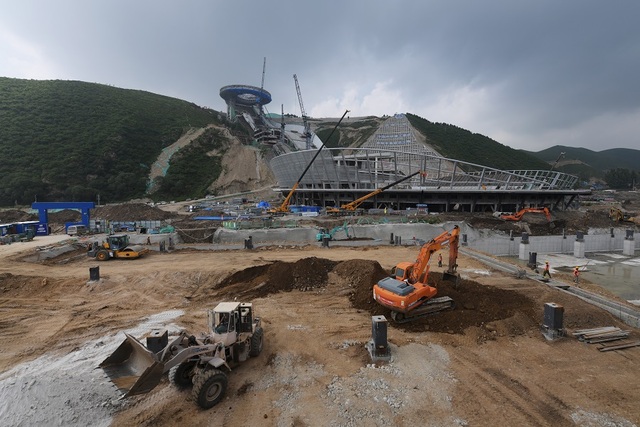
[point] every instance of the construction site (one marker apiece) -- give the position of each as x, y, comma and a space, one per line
380, 285
488, 357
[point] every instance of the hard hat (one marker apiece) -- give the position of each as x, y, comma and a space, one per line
546, 262
577, 267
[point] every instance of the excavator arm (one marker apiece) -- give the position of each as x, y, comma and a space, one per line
407, 294
421, 266
518, 215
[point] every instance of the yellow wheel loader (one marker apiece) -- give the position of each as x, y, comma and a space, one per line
235, 335
116, 246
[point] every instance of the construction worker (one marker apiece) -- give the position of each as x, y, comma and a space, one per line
576, 275
439, 260
546, 272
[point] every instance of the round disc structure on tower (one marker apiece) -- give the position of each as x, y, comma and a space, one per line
245, 95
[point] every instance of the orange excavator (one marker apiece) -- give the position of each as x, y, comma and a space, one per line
518, 215
406, 293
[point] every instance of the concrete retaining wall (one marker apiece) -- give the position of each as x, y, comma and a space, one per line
491, 242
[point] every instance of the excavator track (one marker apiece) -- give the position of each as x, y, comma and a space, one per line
434, 305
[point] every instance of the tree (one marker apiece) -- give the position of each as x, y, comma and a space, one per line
620, 178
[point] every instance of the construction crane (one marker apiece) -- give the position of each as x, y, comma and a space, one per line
284, 207
305, 118
353, 206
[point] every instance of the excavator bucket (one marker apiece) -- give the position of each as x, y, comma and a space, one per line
133, 368
450, 277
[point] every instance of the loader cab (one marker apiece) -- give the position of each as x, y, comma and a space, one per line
228, 319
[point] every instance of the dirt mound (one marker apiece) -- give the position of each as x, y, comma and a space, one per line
64, 216
16, 215
476, 304
131, 212
260, 281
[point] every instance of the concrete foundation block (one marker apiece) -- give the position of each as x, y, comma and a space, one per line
578, 249
629, 247
524, 252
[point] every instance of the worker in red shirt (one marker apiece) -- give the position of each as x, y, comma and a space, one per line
439, 260
576, 275
546, 272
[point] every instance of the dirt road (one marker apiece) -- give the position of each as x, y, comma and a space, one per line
481, 364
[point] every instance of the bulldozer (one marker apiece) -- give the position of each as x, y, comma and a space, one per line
406, 292
202, 363
116, 246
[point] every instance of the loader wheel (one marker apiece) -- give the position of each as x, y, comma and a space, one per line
256, 342
180, 375
209, 388
102, 255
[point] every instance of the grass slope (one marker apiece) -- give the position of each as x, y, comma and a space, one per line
70, 140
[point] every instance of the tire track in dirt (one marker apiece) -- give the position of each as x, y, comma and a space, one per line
493, 386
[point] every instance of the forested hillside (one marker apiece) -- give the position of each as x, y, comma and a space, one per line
457, 143
69, 140
618, 167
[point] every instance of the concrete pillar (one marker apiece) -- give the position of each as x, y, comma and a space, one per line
629, 244
523, 253
94, 273
578, 246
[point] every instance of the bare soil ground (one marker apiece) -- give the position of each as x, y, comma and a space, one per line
483, 363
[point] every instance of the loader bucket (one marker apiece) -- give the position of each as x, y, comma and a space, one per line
133, 368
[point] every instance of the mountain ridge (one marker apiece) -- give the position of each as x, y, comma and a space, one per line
72, 140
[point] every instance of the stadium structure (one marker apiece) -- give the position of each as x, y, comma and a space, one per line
338, 176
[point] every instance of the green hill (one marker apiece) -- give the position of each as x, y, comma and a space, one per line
70, 140
589, 164
457, 143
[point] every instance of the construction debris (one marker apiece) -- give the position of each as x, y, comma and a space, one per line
599, 335
606, 334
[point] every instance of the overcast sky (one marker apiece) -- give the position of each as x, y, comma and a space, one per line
528, 74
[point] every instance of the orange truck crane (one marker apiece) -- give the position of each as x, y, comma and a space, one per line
518, 215
353, 206
284, 207
406, 293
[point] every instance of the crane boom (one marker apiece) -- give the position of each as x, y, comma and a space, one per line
284, 207
305, 118
304, 114
352, 206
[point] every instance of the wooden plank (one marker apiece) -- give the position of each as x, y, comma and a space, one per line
620, 346
595, 330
